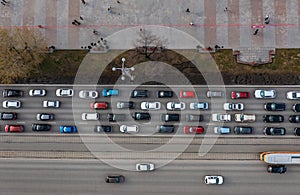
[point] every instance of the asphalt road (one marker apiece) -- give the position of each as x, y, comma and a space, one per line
20, 176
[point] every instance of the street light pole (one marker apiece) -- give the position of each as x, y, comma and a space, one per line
125, 71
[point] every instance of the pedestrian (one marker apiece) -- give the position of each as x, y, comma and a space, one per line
267, 19
74, 23
118, 2
192, 24
109, 10
81, 18
3, 3
95, 32
77, 22
226, 9
83, 1
101, 39
40, 26
256, 31
187, 10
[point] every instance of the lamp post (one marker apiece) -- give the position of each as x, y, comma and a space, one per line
125, 71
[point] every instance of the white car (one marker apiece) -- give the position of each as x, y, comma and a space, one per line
221, 117
129, 128
233, 106
144, 167
293, 95
150, 105
11, 104
88, 94
90, 116
175, 105
37, 92
264, 94
51, 104
213, 179
241, 118
64, 92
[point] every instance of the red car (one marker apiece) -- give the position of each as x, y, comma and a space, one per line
187, 94
99, 105
193, 130
14, 128
240, 94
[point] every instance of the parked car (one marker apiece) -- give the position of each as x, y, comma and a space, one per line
194, 118
124, 105
64, 92
233, 106
274, 131
141, 116
144, 167
240, 94
187, 94
44, 116
221, 117
12, 93
150, 105
199, 105
115, 117
41, 127
165, 94
170, 117
165, 128
222, 130
37, 92
175, 105
272, 106
297, 131
102, 128
214, 180
90, 116
8, 116
14, 104
51, 104
99, 105
293, 95
264, 94
294, 118
110, 92
276, 169
241, 118
115, 179
243, 130
217, 94
88, 94
129, 128
193, 130
273, 118
296, 108
139, 94
14, 128
67, 129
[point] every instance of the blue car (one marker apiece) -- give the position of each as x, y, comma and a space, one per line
67, 129
110, 92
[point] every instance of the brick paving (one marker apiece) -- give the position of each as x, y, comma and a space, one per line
213, 26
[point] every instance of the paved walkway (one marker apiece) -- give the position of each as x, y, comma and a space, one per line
168, 19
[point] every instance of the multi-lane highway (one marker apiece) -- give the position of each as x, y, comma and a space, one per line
34, 176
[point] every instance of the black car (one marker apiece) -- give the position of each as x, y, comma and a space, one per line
141, 116
165, 94
116, 117
104, 128
274, 131
297, 131
272, 106
294, 118
169, 117
139, 93
8, 116
12, 93
124, 105
41, 127
296, 107
194, 117
243, 130
115, 179
276, 169
273, 118
165, 129
45, 116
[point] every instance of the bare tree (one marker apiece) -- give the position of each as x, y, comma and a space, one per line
21, 52
147, 43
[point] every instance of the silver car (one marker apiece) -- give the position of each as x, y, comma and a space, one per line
144, 167
88, 94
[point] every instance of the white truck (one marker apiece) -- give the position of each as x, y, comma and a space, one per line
241, 118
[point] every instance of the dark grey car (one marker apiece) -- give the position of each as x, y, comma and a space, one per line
243, 130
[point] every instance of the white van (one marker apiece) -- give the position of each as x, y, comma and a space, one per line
90, 116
